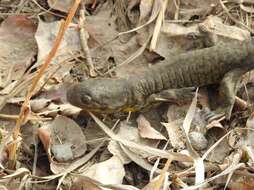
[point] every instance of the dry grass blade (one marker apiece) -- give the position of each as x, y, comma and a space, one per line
162, 177
199, 165
19, 172
215, 144
30, 117
158, 24
147, 149
139, 161
155, 166
236, 159
225, 172
25, 108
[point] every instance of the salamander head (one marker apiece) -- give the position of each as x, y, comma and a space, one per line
101, 95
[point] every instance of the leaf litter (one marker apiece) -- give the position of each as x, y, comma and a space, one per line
139, 151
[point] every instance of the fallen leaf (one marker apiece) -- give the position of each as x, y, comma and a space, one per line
67, 139
39, 104
175, 134
110, 171
130, 133
81, 183
145, 7
45, 38
44, 136
115, 149
64, 5
65, 109
18, 47
147, 131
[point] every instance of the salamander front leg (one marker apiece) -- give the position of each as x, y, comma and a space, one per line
178, 96
228, 88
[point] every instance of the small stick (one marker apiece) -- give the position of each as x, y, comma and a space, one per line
83, 40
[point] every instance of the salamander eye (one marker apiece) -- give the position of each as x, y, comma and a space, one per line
86, 99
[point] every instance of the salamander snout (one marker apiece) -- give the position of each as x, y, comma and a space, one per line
101, 95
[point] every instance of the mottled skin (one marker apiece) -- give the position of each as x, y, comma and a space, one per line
224, 63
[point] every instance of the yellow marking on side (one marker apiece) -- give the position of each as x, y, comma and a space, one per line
130, 110
98, 110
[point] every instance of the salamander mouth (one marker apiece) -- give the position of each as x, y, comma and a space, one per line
109, 110
96, 106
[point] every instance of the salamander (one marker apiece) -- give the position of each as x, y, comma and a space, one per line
223, 63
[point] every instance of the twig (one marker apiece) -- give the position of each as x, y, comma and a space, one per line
25, 106
29, 117
83, 40
35, 139
177, 5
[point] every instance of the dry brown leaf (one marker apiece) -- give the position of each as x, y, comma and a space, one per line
108, 172
146, 130
192, 8
45, 37
65, 109
176, 112
39, 104
67, 139
175, 134
219, 152
18, 46
64, 5
62, 169
97, 184
145, 7
93, 134
242, 182
115, 149
44, 136
81, 183
152, 184
130, 133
